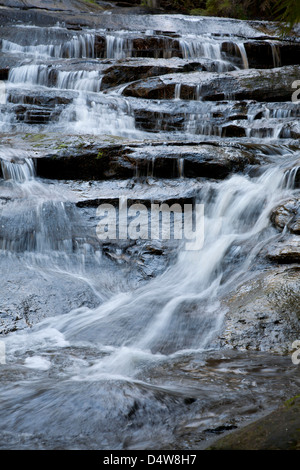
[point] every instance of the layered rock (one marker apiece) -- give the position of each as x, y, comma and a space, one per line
273, 85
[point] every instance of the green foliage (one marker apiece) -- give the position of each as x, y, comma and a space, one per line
227, 8
182, 6
288, 13
291, 401
285, 11
244, 9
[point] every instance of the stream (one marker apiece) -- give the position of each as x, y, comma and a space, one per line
121, 345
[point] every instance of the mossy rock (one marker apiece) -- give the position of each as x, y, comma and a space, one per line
280, 430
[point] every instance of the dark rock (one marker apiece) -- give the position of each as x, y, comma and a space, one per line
233, 131
131, 70
146, 202
271, 85
286, 252
108, 161
278, 430
287, 215
263, 314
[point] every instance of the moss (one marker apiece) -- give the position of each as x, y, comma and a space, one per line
35, 137
61, 146
93, 2
291, 401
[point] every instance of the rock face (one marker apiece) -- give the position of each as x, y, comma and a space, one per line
274, 85
285, 252
264, 314
131, 70
114, 160
287, 215
276, 431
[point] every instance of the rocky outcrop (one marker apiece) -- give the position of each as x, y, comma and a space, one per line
273, 85
263, 314
131, 70
287, 215
285, 252
278, 430
117, 160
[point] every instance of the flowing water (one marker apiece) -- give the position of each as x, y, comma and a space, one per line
135, 365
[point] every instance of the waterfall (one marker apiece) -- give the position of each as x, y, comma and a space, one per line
196, 47
81, 80
177, 91
30, 74
181, 167
18, 171
82, 45
87, 116
243, 53
237, 221
143, 343
117, 47
275, 54
207, 48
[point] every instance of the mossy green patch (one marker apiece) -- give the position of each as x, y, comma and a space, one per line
291, 401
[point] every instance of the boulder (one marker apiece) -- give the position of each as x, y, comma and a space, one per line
272, 85
287, 215
263, 314
278, 430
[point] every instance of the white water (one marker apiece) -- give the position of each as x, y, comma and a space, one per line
81, 80
29, 74
144, 322
80, 46
16, 168
165, 322
118, 47
206, 47
84, 114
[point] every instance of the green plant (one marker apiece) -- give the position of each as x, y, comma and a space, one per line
288, 13
291, 401
61, 146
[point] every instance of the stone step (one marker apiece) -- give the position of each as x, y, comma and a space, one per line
121, 161
268, 85
61, 42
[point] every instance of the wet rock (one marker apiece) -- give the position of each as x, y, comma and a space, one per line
28, 297
268, 54
73, 13
285, 252
290, 130
110, 161
233, 131
271, 85
264, 313
131, 70
146, 202
215, 117
49, 98
278, 430
287, 215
